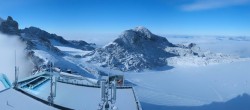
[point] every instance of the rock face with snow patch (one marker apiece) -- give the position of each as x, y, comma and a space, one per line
40, 37
41, 40
135, 49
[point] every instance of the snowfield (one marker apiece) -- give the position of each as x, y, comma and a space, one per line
192, 86
192, 82
202, 61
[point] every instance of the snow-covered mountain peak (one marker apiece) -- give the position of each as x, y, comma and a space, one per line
140, 37
135, 49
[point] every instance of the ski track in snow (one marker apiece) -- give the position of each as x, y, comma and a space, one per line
216, 92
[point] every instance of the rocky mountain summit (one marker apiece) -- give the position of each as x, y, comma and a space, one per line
134, 49
9, 26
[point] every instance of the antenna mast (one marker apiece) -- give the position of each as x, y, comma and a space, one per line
16, 72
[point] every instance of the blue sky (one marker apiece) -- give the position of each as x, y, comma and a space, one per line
80, 18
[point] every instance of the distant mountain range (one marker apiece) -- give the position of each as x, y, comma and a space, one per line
134, 50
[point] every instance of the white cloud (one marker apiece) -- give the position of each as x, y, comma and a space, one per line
8, 46
212, 4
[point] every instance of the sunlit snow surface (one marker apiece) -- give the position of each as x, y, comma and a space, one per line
192, 86
197, 85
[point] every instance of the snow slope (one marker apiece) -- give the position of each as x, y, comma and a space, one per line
62, 62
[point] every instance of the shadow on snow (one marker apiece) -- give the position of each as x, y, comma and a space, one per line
241, 102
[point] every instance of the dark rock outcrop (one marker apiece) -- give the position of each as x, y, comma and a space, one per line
9, 26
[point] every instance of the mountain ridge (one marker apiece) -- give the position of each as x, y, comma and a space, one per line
42, 47
135, 49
